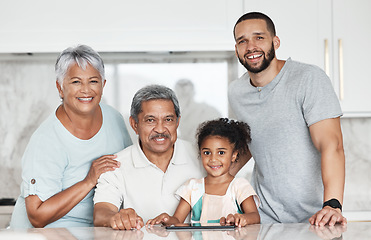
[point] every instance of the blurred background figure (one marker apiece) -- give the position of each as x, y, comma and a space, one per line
193, 113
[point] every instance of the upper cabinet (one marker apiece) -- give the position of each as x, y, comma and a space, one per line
351, 54
118, 25
332, 34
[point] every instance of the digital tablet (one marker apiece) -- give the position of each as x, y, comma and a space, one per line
199, 226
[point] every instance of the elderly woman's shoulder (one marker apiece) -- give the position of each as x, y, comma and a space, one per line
108, 109
47, 132
114, 122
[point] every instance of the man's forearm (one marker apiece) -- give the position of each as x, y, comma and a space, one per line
103, 212
327, 138
333, 175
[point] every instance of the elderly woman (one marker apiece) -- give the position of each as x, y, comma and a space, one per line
71, 149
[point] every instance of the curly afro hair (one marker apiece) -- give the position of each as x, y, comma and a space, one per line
237, 132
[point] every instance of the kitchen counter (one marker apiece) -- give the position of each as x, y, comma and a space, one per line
305, 231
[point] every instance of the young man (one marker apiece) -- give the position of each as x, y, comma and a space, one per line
294, 116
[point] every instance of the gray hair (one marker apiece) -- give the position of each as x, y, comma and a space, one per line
82, 55
152, 92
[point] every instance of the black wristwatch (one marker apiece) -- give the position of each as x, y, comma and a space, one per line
334, 203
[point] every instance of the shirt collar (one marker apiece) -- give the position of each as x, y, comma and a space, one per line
267, 89
140, 160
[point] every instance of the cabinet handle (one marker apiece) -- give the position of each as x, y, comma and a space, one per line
341, 70
327, 59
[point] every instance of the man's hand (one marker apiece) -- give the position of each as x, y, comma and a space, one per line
126, 219
328, 215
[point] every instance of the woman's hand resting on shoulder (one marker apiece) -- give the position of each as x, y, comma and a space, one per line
101, 165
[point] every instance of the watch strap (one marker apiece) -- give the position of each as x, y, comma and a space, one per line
334, 203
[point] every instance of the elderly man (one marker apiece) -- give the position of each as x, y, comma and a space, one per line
152, 169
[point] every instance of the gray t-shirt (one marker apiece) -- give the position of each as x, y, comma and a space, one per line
287, 170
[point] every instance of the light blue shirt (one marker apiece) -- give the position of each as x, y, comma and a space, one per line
54, 160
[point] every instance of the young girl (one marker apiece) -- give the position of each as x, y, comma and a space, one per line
219, 197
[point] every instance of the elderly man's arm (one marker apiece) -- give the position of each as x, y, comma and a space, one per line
103, 212
107, 200
327, 138
107, 215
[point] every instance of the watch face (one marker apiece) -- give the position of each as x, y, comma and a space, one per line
334, 203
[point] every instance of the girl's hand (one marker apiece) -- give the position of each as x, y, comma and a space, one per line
162, 218
240, 220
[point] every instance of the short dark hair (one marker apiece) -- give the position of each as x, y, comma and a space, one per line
237, 133
257, 15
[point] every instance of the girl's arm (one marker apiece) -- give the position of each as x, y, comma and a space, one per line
250, 215
179, 216
182, 210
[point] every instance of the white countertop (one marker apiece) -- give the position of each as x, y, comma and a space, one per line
305, 231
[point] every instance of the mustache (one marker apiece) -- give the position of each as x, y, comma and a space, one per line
160, 135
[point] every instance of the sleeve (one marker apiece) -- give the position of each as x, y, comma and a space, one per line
43, 165
242, 190
185, 191
110, 188
319, 100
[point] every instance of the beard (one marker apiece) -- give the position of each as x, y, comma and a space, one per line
266, 61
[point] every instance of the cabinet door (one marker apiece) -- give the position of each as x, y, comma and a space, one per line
299, 25
352, 26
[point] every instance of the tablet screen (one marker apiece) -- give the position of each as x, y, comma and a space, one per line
199, 226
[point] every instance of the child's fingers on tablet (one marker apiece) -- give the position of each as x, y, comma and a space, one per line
230, 218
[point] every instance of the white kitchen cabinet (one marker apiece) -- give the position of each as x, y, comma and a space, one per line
310, 31
118, 25
352, 26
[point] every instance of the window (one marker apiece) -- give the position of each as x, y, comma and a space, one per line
200, 82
